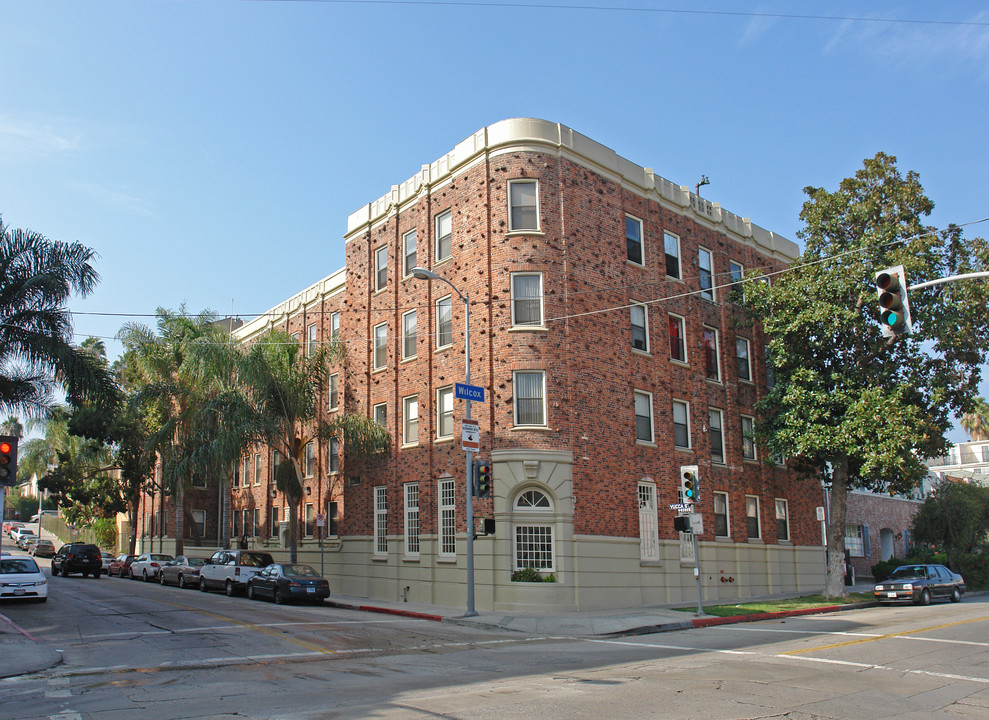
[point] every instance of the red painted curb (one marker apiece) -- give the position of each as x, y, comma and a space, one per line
706, 622
389, 611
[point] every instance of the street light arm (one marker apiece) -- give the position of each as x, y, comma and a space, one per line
421, 273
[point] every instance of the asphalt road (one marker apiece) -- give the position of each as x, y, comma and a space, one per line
142, 651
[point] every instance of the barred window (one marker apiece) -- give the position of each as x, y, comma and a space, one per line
648, 523
534, 547
448, 518
412, 519
381, 520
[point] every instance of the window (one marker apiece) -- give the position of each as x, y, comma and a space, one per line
721, 514
448, 518
678, 344
273, 521
257, 468
409, 335
410, 420
295, 337
736, 272
782, 521
523, 204
444, 235
671, 243
717, 436
380, 520
198, 523
752, 517
770, 368
333, 456
712, 365
681, 424
311, 338
310, 459
748, 437
640, 327
235, 481
648, 523
380, 345
309, 521
381, 414
235, 519
855, 540
743, 359
334, 388
444, 412
705, 264
408, 252
380, 268
412, 520
533, 542
643, 416
332, 519
334, 327
444, 321
256, 522
633, 240
527, 299
276, 460
530, 397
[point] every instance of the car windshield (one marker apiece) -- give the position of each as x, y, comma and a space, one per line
161, 557
909, 572
18, 566
256, 559
299, 571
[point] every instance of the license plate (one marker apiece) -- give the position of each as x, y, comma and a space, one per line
19, 591
891, 594
312, 590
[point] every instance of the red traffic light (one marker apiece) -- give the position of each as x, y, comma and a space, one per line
4, 447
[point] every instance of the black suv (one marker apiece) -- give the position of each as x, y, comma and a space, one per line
77, 558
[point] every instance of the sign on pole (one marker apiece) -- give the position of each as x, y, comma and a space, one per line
321, 520
471, 435
468, 392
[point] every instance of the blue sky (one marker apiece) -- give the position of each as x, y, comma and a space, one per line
211, 150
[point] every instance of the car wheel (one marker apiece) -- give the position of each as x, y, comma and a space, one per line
144, 575
202, 585
279, 600
250, 592
161, 579
925, 597
228, 588
956, 595
96, 575
181, 581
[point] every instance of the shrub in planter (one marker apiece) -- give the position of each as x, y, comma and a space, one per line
530, 574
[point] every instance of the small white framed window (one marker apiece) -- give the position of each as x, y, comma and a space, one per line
681, 424
748, 437
444, 235
310, 459
444, 321
333, 456
408, 253
257, 468
444, 412
671, 246
752, 525
530, 397
643, 416
334, 391
678, 339
705, 266
743, 358
334, 327
527, 299
380, 346
782, 520
523, 205
633, 240
380, 414
381, 268
410, 420
721, 527
715, 431
639, 316
409, 335
311, 338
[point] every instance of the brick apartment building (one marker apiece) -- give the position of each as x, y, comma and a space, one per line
608, 333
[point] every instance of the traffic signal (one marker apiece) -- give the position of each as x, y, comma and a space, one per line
8, 460
681, 523
482, 478
689, 484
894, 309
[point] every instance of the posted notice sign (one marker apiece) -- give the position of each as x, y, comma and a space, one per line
471, 435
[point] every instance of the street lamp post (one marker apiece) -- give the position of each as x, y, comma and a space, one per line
423, 274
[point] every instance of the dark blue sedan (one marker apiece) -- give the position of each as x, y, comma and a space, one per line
288, 581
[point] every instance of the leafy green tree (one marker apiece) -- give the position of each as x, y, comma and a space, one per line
954, 517
37, 277
976, 421
849, 404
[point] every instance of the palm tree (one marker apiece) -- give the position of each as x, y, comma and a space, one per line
37, 277
976, 422
94, 346
12, 426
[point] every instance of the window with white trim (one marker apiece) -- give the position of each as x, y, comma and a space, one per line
721, 527
705, 266
273, 522
527, 299
310, 459
855, 540
380, 346
748, 437
412, 520
715, 424
257, 468
380, 520
633, 240
334, 391
444, 235
533, 540
642, 401
640, 326
678, 339
671, 245
782, 520
311, 337
712, 360
380, 414
333, 456
523, 205
743, 358
410, 420
752, 524
444, 412
408, 252
444, 321
276, 460
648, 523
736, 273
309, 520
409, 335
381, 268
199, 523
681, 424
530, 397
448, 518
334, 327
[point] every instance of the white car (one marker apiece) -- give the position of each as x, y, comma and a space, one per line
21, 534
147, 566
20, 577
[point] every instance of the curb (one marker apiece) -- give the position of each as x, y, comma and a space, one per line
387, 611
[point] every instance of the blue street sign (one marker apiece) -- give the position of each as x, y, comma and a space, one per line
468, 392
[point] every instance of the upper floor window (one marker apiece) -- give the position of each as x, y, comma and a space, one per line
444, 235
742, 355
381, 414
716, 434
333, 456
381, 268
410, 420
334, 391
311, 337
681, 424
752, 523
334, 327
671, 243
633, 240
257, 468
530, 397
527, 299
712, 364
640, 327
523, 205
444, 412
782, 520
643, 416
380, 345
409, 335
770, 368
705, 264
408, 252
310, 459
721, 528
678, 344
748, 437
736, 272
444, 321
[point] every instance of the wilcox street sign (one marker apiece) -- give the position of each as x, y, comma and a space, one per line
468, 392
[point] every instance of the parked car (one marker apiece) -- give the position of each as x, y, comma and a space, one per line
230, 570
920, 584
107, 558
182, 571
77, 558
145, 567
28, 542
42, 548
21, 534
120, 566
10, 525
288, 581
20, 577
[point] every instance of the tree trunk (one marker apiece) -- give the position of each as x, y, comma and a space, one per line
224, 519
132, 517
293, 529
180, 519
836, 527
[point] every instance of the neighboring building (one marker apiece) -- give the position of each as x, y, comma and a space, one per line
609, 333
965, 462
877, 527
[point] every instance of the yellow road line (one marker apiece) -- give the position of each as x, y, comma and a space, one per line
884, 637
